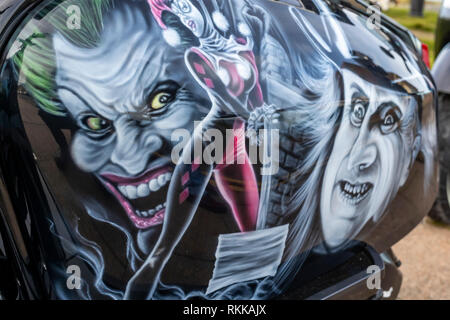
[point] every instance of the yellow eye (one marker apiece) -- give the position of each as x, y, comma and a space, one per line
161, 100
97, 123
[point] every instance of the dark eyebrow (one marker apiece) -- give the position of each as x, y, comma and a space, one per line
359, 94
375, 118
165, 85
391, 104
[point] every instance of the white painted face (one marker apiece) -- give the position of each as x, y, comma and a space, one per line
370, 159
189, 15
127, 95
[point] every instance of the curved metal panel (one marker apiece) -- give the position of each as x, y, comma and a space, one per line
441, 69
185, 148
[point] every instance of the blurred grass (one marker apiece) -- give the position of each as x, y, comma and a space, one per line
426, 23
422, 27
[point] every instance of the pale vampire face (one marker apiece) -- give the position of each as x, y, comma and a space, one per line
370, 158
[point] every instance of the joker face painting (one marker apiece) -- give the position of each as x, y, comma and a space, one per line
127, 95
372, 153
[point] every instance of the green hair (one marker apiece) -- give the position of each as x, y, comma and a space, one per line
36, 58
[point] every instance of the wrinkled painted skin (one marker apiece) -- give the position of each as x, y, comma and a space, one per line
226, 70
127, 110
228, 75
375, 146
131, 92
144, 110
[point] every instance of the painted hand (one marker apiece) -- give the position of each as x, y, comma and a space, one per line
231, 83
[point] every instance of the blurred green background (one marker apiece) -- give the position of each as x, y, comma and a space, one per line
422, 27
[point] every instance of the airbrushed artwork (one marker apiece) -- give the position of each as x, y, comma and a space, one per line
341, 141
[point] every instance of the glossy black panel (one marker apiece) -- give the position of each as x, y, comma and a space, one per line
215, 149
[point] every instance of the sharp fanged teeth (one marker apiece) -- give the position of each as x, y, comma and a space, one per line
151, 212
354, 194
159, 207
355, 190
144, 214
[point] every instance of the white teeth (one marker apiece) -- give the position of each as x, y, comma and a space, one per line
355, 189
154, 185
161, 179
151, 212
159, 182
131, 192
143, 190
142, 214
354, 194
123, 190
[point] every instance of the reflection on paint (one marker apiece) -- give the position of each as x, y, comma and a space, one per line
136, 71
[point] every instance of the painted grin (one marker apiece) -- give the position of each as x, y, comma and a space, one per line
353, 194
141, 196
